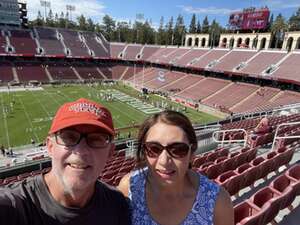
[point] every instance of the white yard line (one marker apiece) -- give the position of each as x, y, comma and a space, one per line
5, 121
48, 93
42, 105
115, 108
28, 118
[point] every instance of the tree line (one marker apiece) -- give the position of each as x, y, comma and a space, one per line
171, 32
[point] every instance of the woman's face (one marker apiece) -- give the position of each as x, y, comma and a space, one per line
165, 168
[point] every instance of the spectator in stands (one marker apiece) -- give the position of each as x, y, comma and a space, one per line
262, 127
79, 143
164, 189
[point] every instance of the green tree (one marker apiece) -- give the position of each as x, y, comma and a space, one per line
56, 20
169, 37
270, 23
193, 26
123, 32
214, 33
161, 39
90, 25
148, 33
179, 31
109, 26
50, 19
205, 25
294, 21
198, 31
82, 24
62, 20
39, 20
277, 29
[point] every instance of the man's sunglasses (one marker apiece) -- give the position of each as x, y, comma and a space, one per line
71, 138
176, 150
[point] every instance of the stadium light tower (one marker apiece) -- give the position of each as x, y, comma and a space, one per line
70, 8
45, 4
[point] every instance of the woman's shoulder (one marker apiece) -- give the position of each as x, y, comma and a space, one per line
124, 184
129, 179
206, 183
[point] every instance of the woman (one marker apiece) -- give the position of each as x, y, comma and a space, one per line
165, 190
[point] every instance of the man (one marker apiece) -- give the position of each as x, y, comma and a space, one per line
79, 143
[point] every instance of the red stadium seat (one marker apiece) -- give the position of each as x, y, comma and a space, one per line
247, 214
213, 171
267, 198
285, 155
212, 156
283, 185
203, 168
249, 173
294, 175
257, 163
198, 161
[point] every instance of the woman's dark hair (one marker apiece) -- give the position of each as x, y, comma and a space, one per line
168, 117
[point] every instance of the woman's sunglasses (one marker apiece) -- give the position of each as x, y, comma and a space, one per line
175, 150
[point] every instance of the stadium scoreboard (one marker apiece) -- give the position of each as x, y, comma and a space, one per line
9, 12
249, 19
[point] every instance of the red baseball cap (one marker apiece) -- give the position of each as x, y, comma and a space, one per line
82, 111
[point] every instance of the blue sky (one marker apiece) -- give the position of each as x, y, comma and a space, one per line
154, 9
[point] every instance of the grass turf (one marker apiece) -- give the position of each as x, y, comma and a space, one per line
27, 115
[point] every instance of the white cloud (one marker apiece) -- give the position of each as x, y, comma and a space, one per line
207, 11
90, 9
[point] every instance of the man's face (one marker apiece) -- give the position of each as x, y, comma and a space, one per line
78, 167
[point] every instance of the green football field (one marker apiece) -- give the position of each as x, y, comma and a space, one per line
26, 115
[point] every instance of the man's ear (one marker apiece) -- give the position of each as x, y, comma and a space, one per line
50, 146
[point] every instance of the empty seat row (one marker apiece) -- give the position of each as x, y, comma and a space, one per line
263, 206
225, 163
245, 175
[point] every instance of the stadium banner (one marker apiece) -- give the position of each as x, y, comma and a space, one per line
249, 19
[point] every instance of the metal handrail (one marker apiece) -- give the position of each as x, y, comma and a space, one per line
230, 141
284, 137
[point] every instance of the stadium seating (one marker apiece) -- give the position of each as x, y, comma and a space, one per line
261, 62
190, 57
49, 41
147, 51
283, 185
260, 98
161, 54
196, 92
118, 71
116, 49
105, 71
73, 42
22, 42
163, 79
6, 73
131, 52
174, 55
2, 44
211, 56
94, 43
270, 199
288, 69
31, 72
232, 95
246, 213
61, 72
88, 72
233, 59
